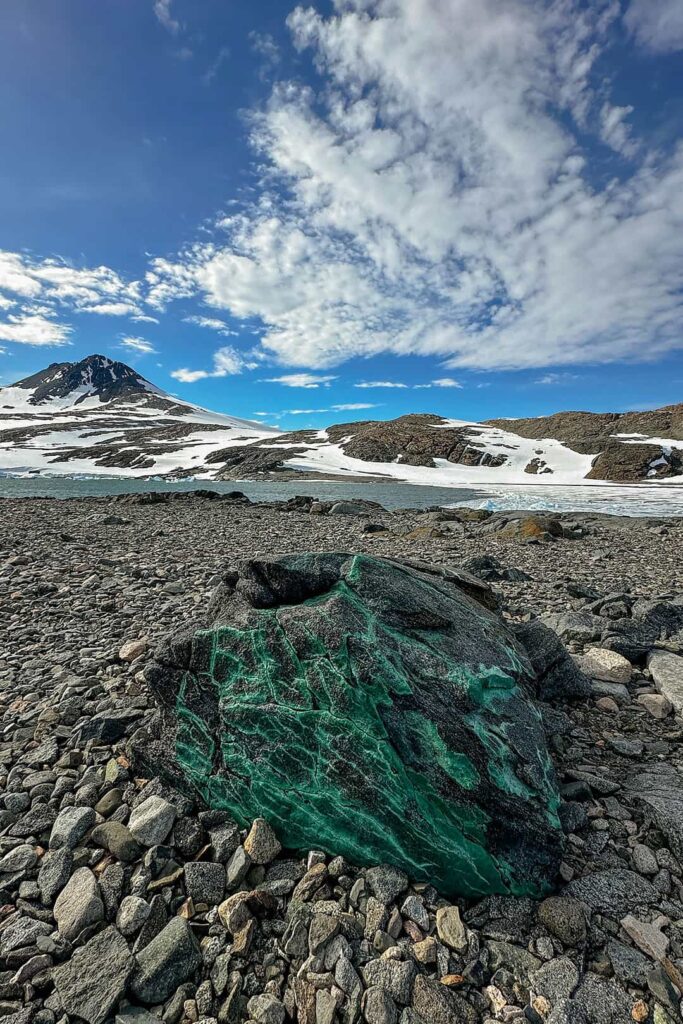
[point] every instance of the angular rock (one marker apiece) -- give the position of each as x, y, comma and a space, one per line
205, 882
647, 937
94, 980
667, 675
132, 914
78, 905
438, 1004
568, 1011
21, 932
110, 726
169, 960
17, 862
70, 826
604, 1002
629, 965
380, 693
656, 704
262, 844
152, 820
266, 1009
55, 871
450, 928
237, 867
660, 788
557, 979
386, 883
581, 626
616, 891
379, 1007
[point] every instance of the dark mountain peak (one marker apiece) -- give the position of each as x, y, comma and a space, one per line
96, 376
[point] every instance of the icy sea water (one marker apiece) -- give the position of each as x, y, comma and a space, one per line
633, 500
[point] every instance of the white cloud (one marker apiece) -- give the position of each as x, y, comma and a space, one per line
167, 281
112, 309
656, 24
162, 9
97, 290
211, 323
190, 376
435, 195
347, 407
226, 362
301, 380
380, 384
440, 382
615, 132
34, 330
139, 345
556, 378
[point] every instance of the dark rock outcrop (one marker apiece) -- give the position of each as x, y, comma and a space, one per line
589, 432
624, 463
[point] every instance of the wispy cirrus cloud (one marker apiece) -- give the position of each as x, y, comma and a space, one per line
139, 346
302, 380
162, 10
343, 407
212, 323
549, 379
440, 382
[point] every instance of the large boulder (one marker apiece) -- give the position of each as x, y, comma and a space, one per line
371, 708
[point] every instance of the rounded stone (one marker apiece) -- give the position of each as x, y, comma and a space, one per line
564, 918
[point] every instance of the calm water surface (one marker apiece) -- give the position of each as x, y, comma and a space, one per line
634, 500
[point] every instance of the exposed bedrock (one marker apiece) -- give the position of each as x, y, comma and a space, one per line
373, 708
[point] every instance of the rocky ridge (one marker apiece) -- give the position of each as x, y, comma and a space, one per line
124, 900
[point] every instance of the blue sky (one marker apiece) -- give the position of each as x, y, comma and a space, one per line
348, 210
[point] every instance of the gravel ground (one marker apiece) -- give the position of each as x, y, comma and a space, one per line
119, 898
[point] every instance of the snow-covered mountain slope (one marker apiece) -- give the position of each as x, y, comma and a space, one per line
99, 416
